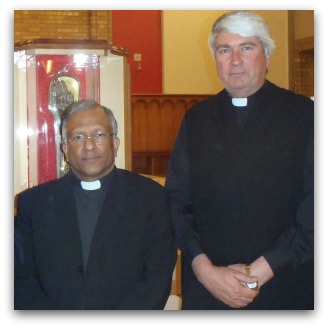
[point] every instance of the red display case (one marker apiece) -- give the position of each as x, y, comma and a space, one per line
48, 76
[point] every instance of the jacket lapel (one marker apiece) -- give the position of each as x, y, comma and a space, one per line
66, 215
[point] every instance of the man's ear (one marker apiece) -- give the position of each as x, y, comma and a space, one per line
268, 58
116, 143
64, 148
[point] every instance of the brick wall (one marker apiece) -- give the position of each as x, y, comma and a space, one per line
63, 24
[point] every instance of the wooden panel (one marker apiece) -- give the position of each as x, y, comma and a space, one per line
153, 123
156, 120
138, 125
152, 162
176, 282
304, 66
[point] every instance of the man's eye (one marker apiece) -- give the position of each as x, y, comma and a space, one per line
247, 48
78, 137
99, 134
224, 51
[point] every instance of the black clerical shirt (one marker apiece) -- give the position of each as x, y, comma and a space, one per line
88, 206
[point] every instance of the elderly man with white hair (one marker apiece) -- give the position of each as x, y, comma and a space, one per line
241, 182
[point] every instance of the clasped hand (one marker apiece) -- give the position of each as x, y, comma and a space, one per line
227, 284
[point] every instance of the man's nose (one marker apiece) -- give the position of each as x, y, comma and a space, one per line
235, 57
89, 142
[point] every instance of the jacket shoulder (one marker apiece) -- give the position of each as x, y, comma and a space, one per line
299, 101
206, 104
138, 181
44, 188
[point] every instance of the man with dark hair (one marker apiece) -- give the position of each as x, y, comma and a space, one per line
98, 238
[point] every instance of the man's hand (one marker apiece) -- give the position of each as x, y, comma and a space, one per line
224, 283
260, 268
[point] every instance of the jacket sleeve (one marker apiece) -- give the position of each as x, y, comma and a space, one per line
178, 186
296, 245
28, 293
159, 259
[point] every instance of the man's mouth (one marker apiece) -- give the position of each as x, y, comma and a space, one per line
90, 158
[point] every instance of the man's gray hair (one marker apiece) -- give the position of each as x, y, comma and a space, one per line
246, 24
78, 106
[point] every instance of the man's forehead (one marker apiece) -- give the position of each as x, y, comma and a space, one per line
229, 38
86, 117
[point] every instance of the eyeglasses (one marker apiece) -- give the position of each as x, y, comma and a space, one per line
98, 138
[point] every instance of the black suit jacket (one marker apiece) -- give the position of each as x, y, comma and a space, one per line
132, 255
241, 191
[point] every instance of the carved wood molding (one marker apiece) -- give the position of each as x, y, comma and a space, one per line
173, 100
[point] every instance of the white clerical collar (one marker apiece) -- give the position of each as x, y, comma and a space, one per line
239, 102
93, 185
